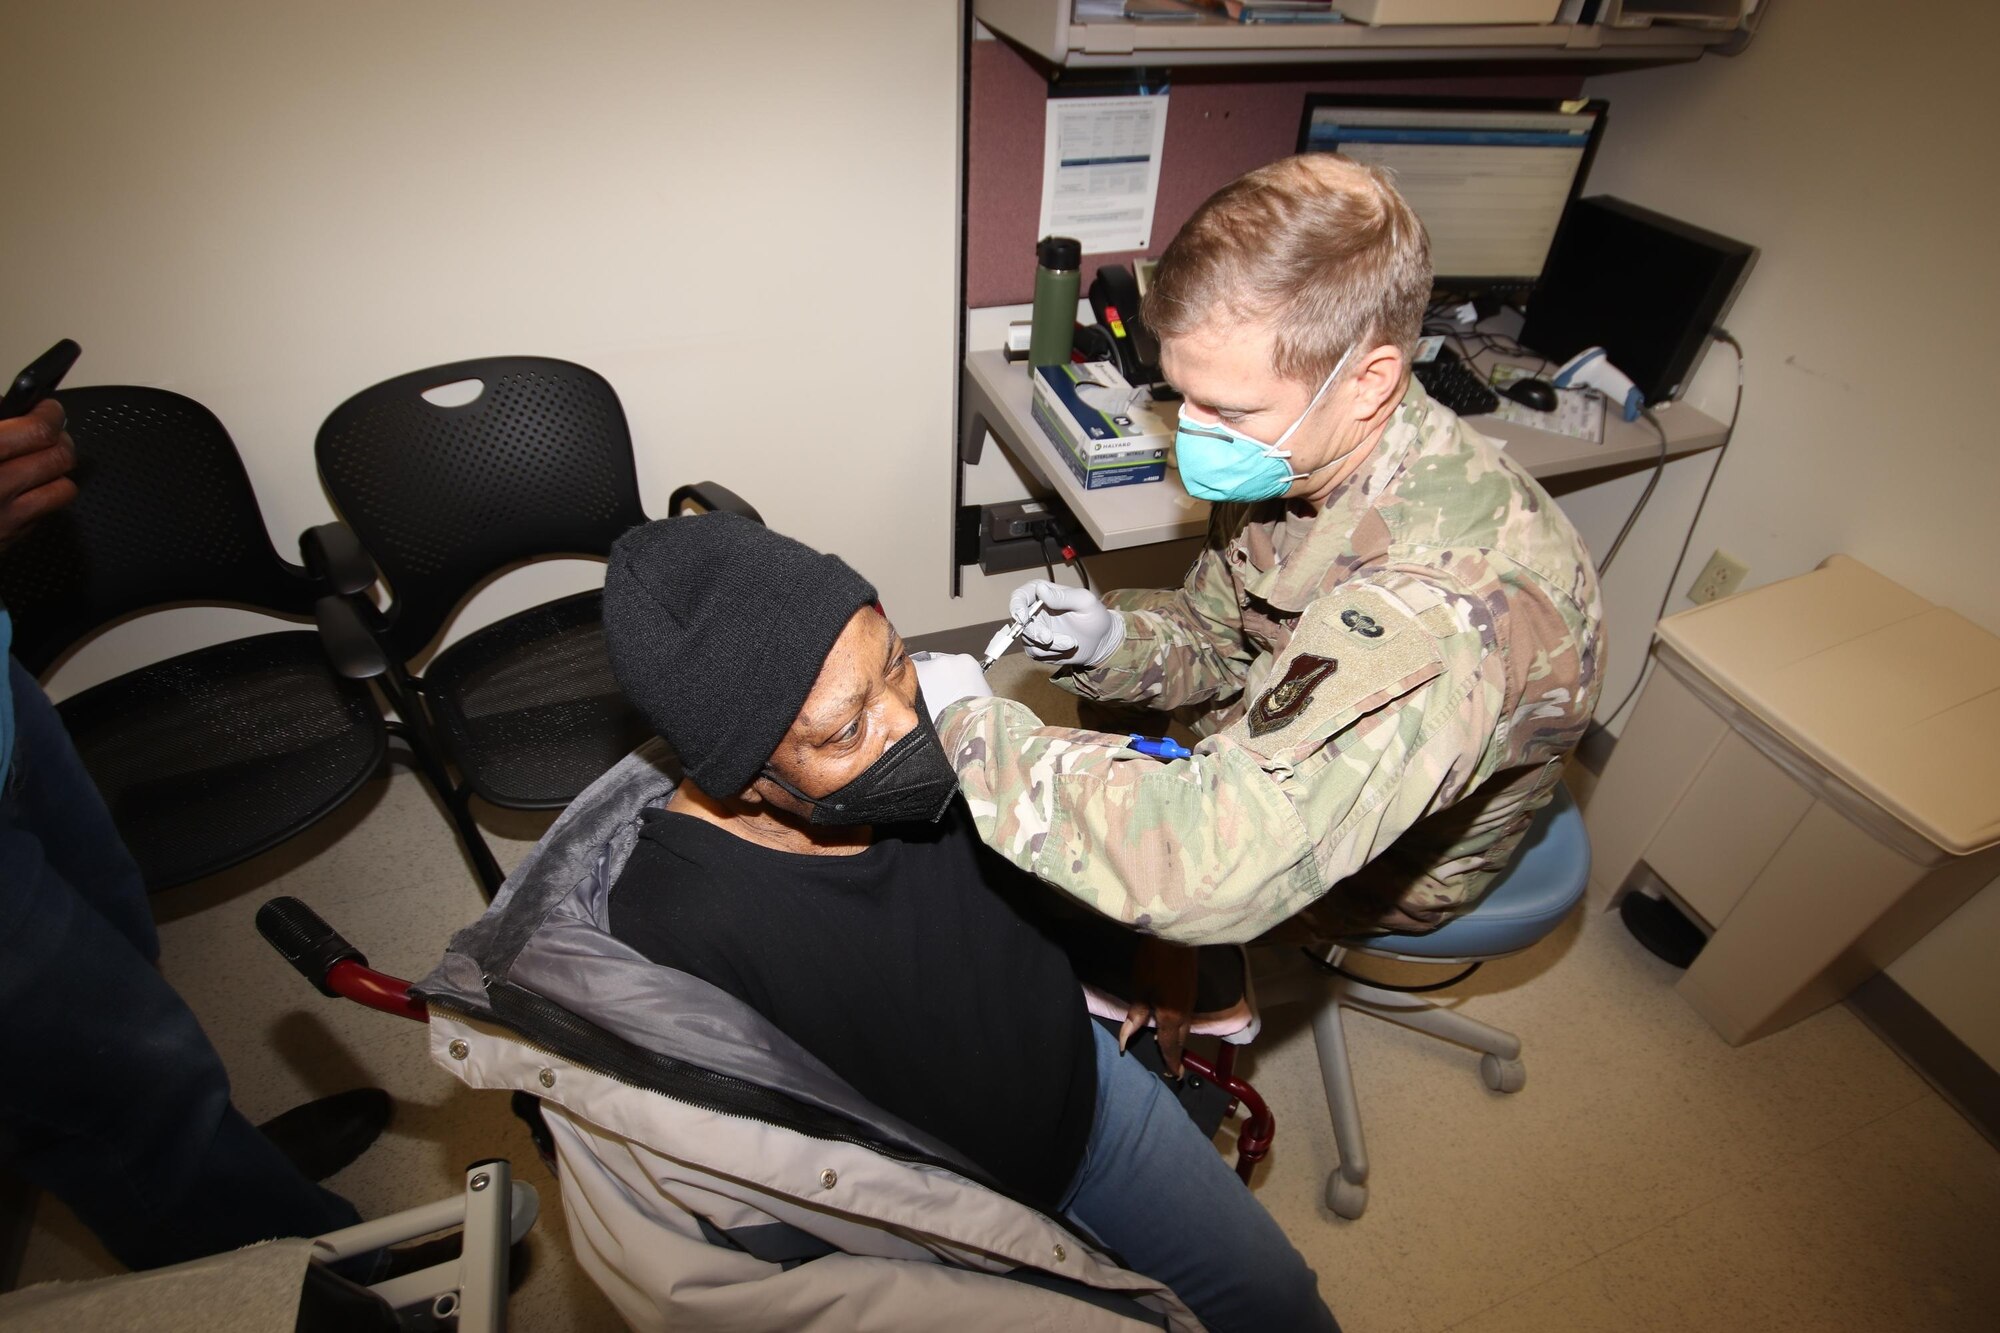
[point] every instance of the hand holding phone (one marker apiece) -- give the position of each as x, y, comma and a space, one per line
36, 453
39, 378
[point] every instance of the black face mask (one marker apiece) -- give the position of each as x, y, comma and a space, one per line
912, 781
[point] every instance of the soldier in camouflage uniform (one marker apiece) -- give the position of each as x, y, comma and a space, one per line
1396, 651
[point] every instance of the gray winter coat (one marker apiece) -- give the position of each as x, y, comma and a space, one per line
714, 1174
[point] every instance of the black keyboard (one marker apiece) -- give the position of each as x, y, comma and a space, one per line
1457, 385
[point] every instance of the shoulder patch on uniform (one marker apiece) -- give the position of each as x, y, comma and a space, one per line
1355, 649
1289, 697
1361, 623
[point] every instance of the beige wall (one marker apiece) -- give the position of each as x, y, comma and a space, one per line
744, 216
1857, 151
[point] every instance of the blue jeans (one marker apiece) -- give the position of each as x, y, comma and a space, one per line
1156, 1192
113, 1100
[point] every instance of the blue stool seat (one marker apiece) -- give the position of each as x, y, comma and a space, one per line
1548, 876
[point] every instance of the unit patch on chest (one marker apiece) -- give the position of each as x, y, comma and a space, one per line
1288, 698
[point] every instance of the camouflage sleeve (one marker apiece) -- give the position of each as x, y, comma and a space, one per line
1181, 646
1472, 843
1371, 715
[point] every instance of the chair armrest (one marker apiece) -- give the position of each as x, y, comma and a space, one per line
334, 557
344, 635
705, 497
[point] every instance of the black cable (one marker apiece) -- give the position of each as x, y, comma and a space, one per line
1659, 467
1054, 547
1337, 970
1470, 343
1051, 550
1728, 434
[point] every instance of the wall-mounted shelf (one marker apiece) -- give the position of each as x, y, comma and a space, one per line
1043, 27
995, 396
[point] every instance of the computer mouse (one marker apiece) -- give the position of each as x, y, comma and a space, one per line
1536, 395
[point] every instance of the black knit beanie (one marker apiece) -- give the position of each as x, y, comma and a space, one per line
717, 628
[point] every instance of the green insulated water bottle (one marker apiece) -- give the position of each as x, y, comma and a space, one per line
1058, 260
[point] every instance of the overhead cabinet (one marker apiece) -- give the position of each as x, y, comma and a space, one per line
1051, 30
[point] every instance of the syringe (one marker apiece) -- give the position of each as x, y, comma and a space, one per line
1009, 632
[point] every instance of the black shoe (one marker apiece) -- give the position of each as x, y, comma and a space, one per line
323, 1136
419, 1255
1660, 926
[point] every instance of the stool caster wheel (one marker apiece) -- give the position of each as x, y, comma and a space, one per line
1344, 1197
1502, 1075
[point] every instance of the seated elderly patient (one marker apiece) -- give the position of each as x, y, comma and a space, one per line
819, 864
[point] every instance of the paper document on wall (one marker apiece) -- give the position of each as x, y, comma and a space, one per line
1101, 170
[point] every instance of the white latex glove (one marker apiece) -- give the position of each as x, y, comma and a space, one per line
945, 678
1072, 628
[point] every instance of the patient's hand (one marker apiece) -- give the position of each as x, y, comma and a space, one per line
1163, 977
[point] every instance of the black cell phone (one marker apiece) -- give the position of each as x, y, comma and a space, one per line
39, 379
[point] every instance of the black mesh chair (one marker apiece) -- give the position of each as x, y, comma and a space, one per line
442, 497
210, 757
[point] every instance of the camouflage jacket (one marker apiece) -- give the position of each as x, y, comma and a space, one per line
1390, 685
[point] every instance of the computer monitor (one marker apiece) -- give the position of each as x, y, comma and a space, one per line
1490, 179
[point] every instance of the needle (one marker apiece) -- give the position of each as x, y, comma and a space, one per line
1009, 632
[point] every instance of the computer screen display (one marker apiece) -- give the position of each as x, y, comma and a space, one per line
1489, 180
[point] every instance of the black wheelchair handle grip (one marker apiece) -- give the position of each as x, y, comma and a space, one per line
709, 497
305, 941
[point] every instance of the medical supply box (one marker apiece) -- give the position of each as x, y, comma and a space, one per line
1412, 12
1109, 433
1813, 774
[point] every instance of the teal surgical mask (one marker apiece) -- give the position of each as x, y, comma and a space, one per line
1218, 462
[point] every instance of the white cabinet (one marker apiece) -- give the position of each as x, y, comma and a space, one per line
1814, 773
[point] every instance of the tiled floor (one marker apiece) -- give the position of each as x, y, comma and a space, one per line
1647, 1178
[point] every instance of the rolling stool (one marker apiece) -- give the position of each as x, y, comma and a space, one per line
1545, 882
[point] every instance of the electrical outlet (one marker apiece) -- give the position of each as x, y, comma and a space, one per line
1722, 575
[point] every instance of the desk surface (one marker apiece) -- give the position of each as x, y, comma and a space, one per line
995, 396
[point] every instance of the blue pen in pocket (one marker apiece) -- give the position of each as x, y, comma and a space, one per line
1162, 748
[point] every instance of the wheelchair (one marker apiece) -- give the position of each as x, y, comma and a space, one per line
712, 1171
